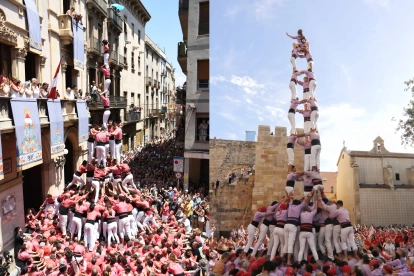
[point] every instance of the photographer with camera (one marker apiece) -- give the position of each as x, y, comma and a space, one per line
5, 261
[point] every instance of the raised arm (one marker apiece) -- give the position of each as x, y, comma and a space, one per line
290, 35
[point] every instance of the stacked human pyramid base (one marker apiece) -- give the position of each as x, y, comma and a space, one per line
313, 224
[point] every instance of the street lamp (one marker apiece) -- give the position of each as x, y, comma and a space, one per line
61, 160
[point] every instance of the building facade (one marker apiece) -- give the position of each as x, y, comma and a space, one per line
37, 35
376, 185
329, 184
193, 57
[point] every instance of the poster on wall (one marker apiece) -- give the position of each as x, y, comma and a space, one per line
83, 121
57, 144
28, 134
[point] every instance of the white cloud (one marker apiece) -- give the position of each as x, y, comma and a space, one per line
180, 78
227, 116
266, 9
217, 79
250, 86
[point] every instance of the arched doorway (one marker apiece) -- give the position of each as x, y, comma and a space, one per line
32, 187
69, 170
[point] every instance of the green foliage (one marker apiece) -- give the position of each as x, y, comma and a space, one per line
406, 126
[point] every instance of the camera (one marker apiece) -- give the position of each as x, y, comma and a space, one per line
5, 261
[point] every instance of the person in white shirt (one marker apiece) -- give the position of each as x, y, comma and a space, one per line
35, 88
187, 225
69, 94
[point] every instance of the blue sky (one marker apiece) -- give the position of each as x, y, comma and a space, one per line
362, 51
165, 30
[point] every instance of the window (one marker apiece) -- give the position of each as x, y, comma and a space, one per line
203, 68
397, 176
204, 19
132, 60
202, 128
147, 52
125, 28
132, 29
139, 100
125, 55
6, 62
332, 189
139, 64
139, 36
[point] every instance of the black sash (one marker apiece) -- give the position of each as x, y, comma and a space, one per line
315, 142
91, 139
266, 222
254, 223
290, 183
291, 110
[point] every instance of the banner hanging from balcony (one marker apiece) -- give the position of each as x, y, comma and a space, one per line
78, 45
57, 144
27, 127
83, 121
33, 20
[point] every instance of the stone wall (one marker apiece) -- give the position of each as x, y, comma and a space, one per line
235, 204
230, 204
272, 165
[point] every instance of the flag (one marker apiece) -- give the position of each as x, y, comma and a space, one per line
53, 92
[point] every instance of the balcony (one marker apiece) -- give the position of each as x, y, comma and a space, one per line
115, 21
148, 81
94, 47
68, 108
133, 116
116, 102
114, 58
182, 56
183, 7
153, 112
65, 29
97, 6
121, 61
164, 89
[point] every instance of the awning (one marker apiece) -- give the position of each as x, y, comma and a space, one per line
83, 121
78, 45
33, 20
28, 132
57, 144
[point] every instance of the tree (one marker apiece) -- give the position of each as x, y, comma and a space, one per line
407, 126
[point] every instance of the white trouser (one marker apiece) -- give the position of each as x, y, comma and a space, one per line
100, 154
336, 235
292, 87
271, 239
312, 88
105, 231
133, 225
278, 239
75, 180
348, 234
63, 221
75, 262
90, 151
289, 231
307, 166
289, 189
328, 240
106, 59
112, 232
140, 216
262, 235
317, 187
105, 118
307, 237
291, 156
314, 118
128, 179
293, 61
306, 95
321, 240
107, 146
307, 126
315, 154
89, 235
251, 231
164, 218
291, 117
96, 185
112, 148
76, 226
125, 227
107, 83
118, 152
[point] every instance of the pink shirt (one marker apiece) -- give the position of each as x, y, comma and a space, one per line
106, 72
105, 102
304, 84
